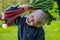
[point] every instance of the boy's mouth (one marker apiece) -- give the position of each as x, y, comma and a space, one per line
28, 20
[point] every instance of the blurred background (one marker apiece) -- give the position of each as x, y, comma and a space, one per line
52, 31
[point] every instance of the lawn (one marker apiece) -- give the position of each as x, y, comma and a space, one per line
8, 34
52, 32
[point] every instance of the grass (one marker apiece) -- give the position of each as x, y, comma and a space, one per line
52, 32
8, 34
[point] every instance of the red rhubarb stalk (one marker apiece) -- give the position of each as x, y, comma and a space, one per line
15, 14
12, 19
9, 12
10, 15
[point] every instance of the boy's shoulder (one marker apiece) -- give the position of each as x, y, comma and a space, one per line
23, 18
19, 19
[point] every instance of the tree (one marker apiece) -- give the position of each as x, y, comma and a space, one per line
58, 2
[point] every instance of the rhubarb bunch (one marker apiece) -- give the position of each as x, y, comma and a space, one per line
13, 13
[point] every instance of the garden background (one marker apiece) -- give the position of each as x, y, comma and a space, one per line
52, 31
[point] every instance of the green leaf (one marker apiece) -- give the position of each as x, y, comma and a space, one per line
32, 1
38, 2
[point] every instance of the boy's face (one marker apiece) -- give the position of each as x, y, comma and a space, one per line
33, 19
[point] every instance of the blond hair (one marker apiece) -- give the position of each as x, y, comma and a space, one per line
43, 17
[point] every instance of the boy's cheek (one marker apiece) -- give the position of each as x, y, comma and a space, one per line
31, 24
27, 21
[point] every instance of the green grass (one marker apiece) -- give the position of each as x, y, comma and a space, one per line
8, 34
52, 32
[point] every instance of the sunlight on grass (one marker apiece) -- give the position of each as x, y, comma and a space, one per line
52, 31
8, 34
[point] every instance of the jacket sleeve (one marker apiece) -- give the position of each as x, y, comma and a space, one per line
17, 20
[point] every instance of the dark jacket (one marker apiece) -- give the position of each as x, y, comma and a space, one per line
27, 32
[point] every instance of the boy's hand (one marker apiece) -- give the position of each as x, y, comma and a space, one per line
25, 6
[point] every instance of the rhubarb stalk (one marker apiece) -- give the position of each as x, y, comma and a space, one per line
14, 14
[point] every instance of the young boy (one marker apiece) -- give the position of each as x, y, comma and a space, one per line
30, 27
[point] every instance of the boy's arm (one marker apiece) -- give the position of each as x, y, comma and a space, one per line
17, 20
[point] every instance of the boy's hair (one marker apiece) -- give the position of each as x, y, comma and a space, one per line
43, 17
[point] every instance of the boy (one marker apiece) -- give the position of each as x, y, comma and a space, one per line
30, 27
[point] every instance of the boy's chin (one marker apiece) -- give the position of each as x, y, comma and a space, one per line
30, 24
